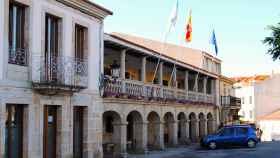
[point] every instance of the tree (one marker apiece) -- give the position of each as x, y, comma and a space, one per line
273, 42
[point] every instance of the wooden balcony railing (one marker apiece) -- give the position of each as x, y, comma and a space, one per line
139, 90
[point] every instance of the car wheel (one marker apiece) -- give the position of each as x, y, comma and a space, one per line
212, 145
251, 143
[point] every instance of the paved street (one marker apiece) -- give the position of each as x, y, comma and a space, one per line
263, 150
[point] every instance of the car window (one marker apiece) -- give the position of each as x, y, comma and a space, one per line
227, 132
241, 131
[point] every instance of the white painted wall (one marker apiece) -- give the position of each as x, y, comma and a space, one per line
267, 96
246, 107
271, 130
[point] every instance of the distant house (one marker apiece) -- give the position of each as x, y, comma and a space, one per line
270, 125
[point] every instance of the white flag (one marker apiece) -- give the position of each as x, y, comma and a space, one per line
173, 17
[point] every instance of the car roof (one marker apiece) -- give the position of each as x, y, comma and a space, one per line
232, 126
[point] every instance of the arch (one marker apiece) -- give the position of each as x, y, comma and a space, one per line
153, 119
201, 125
169, 129
192, 126
111, 132
182, 128
210, 123
134, 131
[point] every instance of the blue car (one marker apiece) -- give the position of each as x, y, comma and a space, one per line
235, 135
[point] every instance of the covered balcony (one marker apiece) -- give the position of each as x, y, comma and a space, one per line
133, 74
230, 108
231, 102
54, 75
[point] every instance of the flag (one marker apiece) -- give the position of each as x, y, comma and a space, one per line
188, 37
214, 42
173, 17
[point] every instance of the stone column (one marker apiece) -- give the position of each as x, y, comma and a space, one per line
174, 133
183, 130
120, 137
196, 82
175, 77
4, 34
160, 137
187, 129
2, 128
144, 137
196, 125
205, 127
122, 71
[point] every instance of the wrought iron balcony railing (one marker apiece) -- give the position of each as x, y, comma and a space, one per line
230, 101
139, 90
18, 57
59, 73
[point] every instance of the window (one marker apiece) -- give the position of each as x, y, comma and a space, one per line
51, 47
227, 132
241, 131
250, 99
251, 114
243, 100
80, 42
17, 23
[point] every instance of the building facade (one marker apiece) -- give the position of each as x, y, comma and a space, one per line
153, 99
230, 105
50, 53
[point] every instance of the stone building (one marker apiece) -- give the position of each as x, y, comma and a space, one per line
50, 53
156, 95
230, 104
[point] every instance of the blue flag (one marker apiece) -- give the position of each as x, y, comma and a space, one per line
214, 41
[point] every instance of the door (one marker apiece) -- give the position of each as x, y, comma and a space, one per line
51, 48
241, 136
78, 132
50, 131
14, 131
226, 137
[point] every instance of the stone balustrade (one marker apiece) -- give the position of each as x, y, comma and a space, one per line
138, 89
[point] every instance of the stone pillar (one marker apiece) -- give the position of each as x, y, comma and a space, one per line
196, 125
196, 82
4, 34
174, 133
2, 128
143, 69
205, 127
120, 137
183, 130
160, 137
187, 123
175, 77
144, 137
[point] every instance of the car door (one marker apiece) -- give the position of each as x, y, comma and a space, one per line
241, 136
226, 136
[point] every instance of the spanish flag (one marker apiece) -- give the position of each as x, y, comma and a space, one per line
188, 37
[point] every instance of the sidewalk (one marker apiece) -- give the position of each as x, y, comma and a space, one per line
169, 152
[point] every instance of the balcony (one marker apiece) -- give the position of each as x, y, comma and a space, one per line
231, 102
54, 75
137, 90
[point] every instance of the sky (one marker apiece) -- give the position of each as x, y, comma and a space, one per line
240, 26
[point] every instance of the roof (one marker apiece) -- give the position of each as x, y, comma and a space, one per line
180, 53
272, 116
87, 7
120, 40
246, 80
227, 79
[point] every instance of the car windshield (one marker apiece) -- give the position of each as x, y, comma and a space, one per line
220, 131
